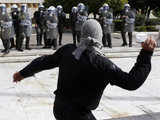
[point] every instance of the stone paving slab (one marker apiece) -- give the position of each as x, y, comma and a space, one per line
32, 99
28, 56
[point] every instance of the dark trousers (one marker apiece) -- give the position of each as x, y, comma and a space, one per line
107, 38
12, 42
74, 34
60, 31
45, 40
124, 38
17, 39
27, 42
78, 36
6, 43
51, 42
54, 43
39, 35
20, 42
65, 110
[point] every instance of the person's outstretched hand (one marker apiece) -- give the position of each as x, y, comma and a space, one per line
17, 77
149, 44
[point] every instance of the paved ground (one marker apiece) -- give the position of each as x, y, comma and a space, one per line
32, 99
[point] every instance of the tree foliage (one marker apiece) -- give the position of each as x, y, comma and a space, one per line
116, 5
156, 12
145, 6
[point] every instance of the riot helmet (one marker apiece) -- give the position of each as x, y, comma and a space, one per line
3, 8
14, 8
105, 7
81, 7
59, 8
52, 10
40, 7
126, 6
24, 8
100, 10
74, 9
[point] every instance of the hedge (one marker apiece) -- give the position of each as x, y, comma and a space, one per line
145, 28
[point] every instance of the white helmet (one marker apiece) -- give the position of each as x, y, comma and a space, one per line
24, 7
74, 9
14, 6
3, 8
3, 5
105, 7
80, 6
126, 5
59, 8
40, 6
51, 8
100, 10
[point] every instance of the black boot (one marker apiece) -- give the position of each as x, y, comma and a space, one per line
3, 51
19, 42
6, 44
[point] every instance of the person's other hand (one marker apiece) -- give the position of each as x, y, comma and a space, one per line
17, 77
149, 44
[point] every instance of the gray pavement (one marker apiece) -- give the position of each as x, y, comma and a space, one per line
32, 99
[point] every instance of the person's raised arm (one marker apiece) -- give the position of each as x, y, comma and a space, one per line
39, 64
137, 75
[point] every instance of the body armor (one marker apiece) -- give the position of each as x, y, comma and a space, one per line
25, 24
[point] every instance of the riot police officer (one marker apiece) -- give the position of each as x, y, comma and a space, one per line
73, 18
106, 22
51, 24
5, 28
14, 15
25, 27
61, 22
128, 18
82, 16
39, 17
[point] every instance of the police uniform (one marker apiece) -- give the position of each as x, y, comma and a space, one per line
106, 21
73, 18
51, 24
25, 29
81, 18
128, 19
5, 31
14, 15
61, 23
39, 17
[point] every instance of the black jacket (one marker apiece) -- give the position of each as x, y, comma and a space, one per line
83, 83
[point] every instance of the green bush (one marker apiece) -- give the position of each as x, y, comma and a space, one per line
117, 25
140, 20
145, 28
151, 22
140, 28
151, 28
156, 12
